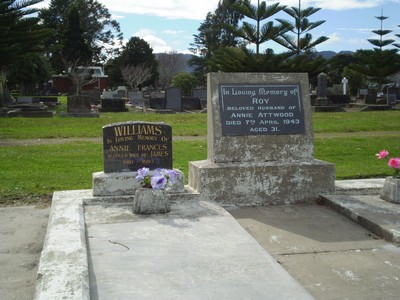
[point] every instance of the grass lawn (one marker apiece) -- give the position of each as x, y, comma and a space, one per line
37, 170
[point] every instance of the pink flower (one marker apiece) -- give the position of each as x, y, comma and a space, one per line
394, 163
382, 154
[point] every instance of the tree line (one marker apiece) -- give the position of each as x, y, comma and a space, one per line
38, 43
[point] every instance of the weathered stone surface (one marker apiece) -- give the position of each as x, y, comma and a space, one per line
262, 183
124, 183
391, 190
257, 148
275, 165
63, 270
149, 201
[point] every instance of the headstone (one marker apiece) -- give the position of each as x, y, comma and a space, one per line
129, 146
391, 99
336, 89
113, 105
370, 99
24, 99
391, 96
200, 93
322, 90
107, 95
363, 92
136, 98
173, 96
345, 82
122, 92
157, 100
78, 104
260, 142
322, 79
191, 103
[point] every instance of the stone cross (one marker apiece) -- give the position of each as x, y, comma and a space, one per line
344, 82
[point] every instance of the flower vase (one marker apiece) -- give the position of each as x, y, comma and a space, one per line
149, 201
391, 190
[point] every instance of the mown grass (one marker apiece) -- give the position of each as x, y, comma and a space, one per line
38, 170
182, 124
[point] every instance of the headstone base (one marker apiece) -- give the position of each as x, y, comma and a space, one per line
391, 190
124, 183
321, 101
262, 183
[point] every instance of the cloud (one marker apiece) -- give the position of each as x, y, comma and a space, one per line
173, 9
358, 42
157, 44
197, 10
334, 38
174, 32
333, 4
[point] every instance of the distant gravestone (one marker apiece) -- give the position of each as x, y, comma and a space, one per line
157, 100
322, 90
107, 95
260, 146
322, 85
136, 98
345, 81
391, 96
113, 105
129, 146
370, 98
362, 92
24, 99
200, 93
122, 92
173, 96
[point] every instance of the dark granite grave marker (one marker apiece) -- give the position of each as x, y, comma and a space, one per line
173, 96
261, 109
129, 146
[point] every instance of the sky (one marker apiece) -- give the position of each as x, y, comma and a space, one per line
169, 25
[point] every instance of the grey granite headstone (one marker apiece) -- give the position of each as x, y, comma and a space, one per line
107, 95
157, 100
24, 99
260, 142
322, 79
136, 98
200, 93
370, 99
173, 96
322, 90
129, 146
363, 92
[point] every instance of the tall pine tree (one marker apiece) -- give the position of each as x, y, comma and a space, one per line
19, 34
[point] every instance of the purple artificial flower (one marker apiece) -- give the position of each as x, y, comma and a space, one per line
141, 173
172, 176
158, 182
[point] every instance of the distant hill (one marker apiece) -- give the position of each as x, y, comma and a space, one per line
324, 54
330, 54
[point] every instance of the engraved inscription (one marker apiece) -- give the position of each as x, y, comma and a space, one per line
132, 145
260, 109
